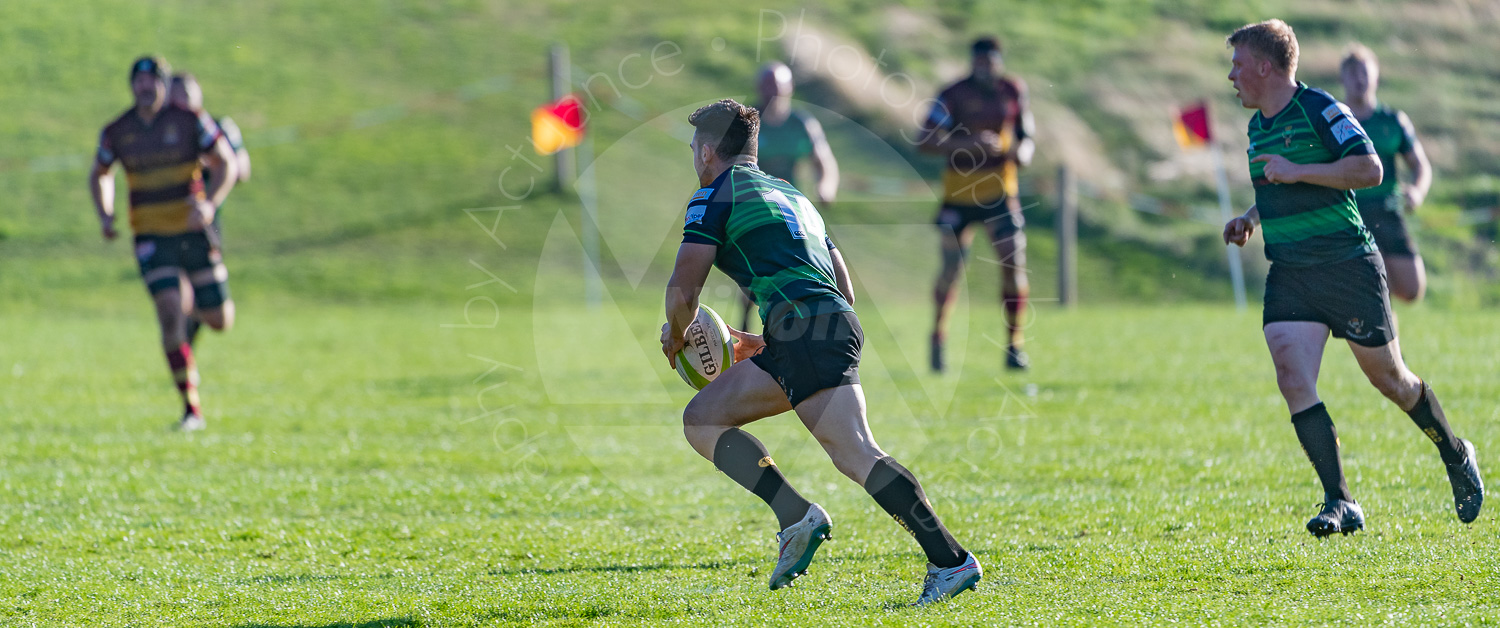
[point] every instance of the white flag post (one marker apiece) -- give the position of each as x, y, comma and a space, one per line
1236, 269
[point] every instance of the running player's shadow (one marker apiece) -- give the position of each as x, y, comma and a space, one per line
615, 568
394, 622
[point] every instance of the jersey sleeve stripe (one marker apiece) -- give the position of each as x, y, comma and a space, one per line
702, 235
1357, 145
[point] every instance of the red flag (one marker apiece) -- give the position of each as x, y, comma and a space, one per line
1192, 127
557, 125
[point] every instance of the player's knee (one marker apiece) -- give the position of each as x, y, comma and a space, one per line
699, 430
220, 318
846, 461
1012, 281
172, 337
1294, 384
953, 261
853, 459
697, 414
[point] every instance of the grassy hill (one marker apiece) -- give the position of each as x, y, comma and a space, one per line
374, 128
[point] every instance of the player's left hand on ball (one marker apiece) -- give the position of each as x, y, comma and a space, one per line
669, 345
1278, 169
746, 345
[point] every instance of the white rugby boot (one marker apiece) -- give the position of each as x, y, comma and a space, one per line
798, 543
942, 584
191, 422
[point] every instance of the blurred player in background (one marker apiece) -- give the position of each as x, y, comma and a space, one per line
787, 137
771, 240
162, 149
1383, 207
1307, 155
982, 126
185, 93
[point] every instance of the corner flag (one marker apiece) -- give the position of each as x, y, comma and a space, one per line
1191, 126
557, 125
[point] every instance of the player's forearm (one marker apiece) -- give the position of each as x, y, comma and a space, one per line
242, 160
102, 186
841, 276
681, 308
826, 171
1253, 214
1421, 171
221, 180
1349, 173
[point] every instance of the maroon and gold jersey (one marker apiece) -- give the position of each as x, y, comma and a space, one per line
161, 160
966, 108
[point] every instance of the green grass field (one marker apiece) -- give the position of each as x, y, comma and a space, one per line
388, 449
367, 467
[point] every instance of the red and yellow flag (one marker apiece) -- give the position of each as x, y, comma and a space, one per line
1191, 126
557, 125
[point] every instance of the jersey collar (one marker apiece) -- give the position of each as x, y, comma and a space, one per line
719, 180
1266, 124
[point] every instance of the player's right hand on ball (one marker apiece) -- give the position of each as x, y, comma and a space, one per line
1238, 231
746, 345
670, 346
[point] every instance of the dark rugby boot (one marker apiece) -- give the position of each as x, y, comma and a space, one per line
1338, 516
1468, 487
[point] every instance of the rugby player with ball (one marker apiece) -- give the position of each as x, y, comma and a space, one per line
768, 238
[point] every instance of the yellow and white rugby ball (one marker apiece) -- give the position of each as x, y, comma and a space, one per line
709, 349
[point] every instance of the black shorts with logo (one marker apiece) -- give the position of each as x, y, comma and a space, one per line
999, 220
164, 259
1388, 225
806, 355
1350, 297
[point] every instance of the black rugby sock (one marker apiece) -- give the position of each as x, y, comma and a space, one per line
1428, 416
1320, 441
897, 491
745, 460
192, 327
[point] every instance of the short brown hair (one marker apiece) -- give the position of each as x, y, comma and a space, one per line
731, 128
1358, 53
184, 77
1272, 40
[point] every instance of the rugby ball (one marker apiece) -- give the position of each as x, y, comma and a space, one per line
709, 349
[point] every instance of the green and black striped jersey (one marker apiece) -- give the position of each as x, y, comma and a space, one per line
1306, 224
771, 241
1391, 133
